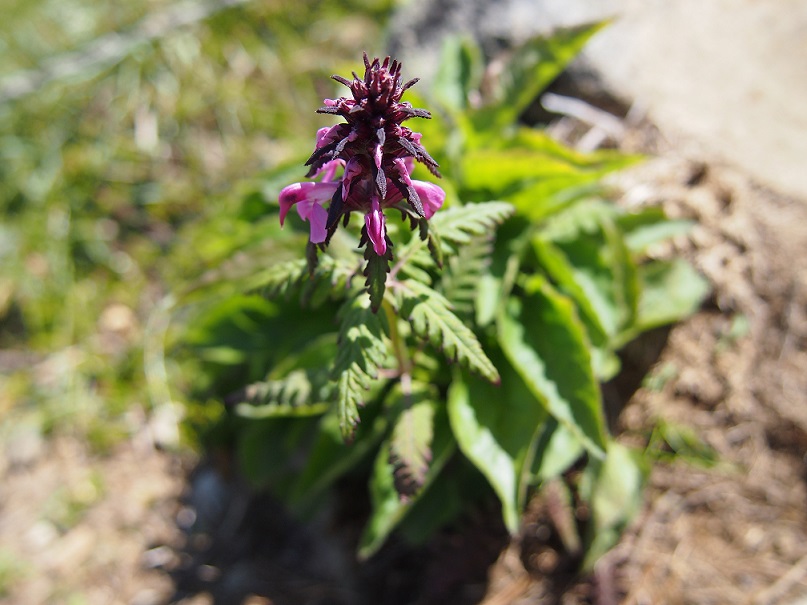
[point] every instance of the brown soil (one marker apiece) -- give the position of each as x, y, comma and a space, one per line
736, 532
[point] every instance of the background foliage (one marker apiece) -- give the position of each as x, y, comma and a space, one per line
133, 139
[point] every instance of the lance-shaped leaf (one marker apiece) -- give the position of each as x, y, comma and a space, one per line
376, 273
495, 427
545, 341
431, 318
615, 486
389, 508
533, 66
362, 349
411, 439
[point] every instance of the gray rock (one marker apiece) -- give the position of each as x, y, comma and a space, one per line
726, 80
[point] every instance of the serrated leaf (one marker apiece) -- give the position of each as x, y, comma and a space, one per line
464, 272
388, 507
328, 279
457, 225
376, 273
546, 343
411, 439
293, 395
362, 349
431, 318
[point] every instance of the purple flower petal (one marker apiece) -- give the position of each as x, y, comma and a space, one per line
353, 169
431, 196
376, 228
309, 198
317, 216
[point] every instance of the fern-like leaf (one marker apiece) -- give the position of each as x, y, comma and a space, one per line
461, 278
314, 284
410, 448
457, 225
431, 318
410, 451
299, 393
362, 349
376, 273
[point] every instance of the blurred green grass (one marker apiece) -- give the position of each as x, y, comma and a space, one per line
121, 170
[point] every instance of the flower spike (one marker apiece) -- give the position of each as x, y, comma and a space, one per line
376, 155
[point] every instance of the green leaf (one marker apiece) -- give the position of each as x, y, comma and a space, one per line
432, 320
670, 291
545, 341
376, 273
562, 273
496, 171
459, 72
457, 225
495, 428
328, 280
363, 346
649, 226
411, 439
265, 449
601, 266
617, 488
329, 457
556, 450
532, 68
464, 273
388, 507
293, 395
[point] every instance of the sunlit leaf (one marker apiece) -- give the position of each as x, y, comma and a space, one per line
531, 69
495, 427
362, 350
671, 290
431, 318
546, 343
556, 450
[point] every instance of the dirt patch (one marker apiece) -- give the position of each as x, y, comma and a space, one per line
83, 528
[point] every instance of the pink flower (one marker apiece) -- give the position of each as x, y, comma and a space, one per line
377, 153
309, 198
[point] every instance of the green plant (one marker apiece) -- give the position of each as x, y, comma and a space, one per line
474, 336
